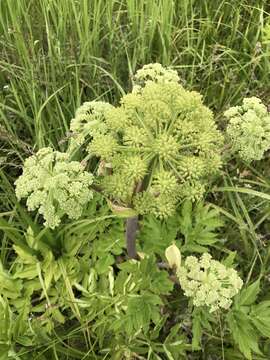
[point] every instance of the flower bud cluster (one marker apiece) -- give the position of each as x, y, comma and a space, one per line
161, 145
54, 186
249, 129
156, 73
208, 282
89, 119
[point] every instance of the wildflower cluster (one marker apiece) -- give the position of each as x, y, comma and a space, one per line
159, 146
54, 185
249, 129
208, 282
88, 119
156, 73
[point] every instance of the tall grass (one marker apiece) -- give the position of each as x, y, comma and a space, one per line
57, 54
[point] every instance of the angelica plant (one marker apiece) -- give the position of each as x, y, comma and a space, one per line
54, 186
159, 146
249, 129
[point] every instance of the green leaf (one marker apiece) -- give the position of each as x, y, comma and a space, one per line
245, 191
27, 272
103, 264
168, 353
194, 248
198, 225
24, 340
9, 286
111, 240
161, 284
20, 323
48, 274
228, 261
155, 235
260, 317
243, 333
262, 325
26, 256
261, 309
16, 236
58, 316
249, 295
141, 309
176, 342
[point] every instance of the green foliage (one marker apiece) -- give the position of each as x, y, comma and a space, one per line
243, 333
198, 225
141, 310
194, 228
200, 320
155, 235
47, 74
64, 282
248, 320
45, 289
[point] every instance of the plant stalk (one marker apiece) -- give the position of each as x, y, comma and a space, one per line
132, 225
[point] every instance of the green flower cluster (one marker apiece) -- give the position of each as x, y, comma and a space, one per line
89, 118
156, 73
208, 282
249, 129
160, 145
54, 185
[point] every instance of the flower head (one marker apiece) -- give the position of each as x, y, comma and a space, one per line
89, 117
88, 120
155, 73
208, 282
249, 129
54, 185
161, 140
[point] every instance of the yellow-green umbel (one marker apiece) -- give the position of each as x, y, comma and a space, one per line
89, 118
161, 145
155, 73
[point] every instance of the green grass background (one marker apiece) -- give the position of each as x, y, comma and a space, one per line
57, 54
